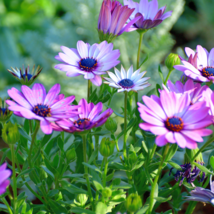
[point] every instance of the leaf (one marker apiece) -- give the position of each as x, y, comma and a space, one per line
98, 186
81, 210
122, 185
101, 208
45, 139
174, 165
160, 73
73, 176
143, 210
24, 133
72, 188
92, 167
147, 56
172, 151
93, 156
212, 161
162, 200
48, 171
60, 143
100, 133
203, 168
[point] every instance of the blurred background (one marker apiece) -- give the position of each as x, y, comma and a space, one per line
32, 31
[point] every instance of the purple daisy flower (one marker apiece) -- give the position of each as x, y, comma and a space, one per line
195, 90
202, 195
208, 96
112, 20
90, 61
150, 15
36, 104
4, 175
88, 117
174, 120
200, 64
127, 80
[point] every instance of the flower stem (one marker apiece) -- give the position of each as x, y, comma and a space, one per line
105, 171
86, 171
151, 203
191, 207
125, 125
14, 178
89, 90
168, 75
7, 205
32, 142
203, 147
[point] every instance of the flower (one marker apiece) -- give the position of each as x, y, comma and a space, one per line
200, 64
208, 96
112, 20
188, 173
5, 113
35, 104
90, 61
127, 80
4, 175
195, 90
148, 12
89, 116
25, 76
174, 120
202, 195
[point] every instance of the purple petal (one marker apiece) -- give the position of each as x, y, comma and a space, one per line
161, 140
39, 93
29, 95
97, 80
46, 127
82, 49
52, 94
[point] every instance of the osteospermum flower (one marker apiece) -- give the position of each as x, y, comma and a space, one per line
195, 90
150, 15
5, 113
174, 120
25, 76
89, 116
127, 80
202, 195
200, 64
208, 96
112, 20
4, 175
36, 104
90, 61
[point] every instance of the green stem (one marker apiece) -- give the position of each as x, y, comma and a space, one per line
96, 144
14, 178
86, 172
125, 125
7, 205
63, 136
105, 171
32, 142
168, 75
151, 203
191, 207
30, 125
203, 147
89, 90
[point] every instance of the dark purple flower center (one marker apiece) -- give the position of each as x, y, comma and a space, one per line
174, 124
29, 76
88, 64
82, 123
126, 83
207, 72
42, 110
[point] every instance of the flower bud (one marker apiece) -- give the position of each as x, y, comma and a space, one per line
71, 155
82, 199
133, 203
171, 60
107, 147
190, 153
111, 125
106, 192
10, 133
5, 113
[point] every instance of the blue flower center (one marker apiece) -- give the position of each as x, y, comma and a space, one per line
174, 124
29, 76
207, 72
3, 110
82, 123
126, 83
88, 64
42, 110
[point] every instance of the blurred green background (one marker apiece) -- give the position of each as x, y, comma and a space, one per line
32, 31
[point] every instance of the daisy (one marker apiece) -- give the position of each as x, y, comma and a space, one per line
200, 64
36, 104
90, 61
4, 175
127, 80
174, 120
150, 15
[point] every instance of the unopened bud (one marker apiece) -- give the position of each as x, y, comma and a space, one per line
107, 147
82, 199
133, 203
111, 125
106, 192
5, 113
171, 60
10, 133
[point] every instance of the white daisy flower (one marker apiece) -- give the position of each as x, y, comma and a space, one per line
127, 80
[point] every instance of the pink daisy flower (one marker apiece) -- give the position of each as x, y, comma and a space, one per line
36, 104
174, 120
4, 175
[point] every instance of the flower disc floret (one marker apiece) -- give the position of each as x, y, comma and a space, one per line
174, 120
207, 72
88, 60
88, 117
36, 104
126, 83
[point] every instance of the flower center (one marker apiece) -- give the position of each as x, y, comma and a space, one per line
29, 76
126, 83
42, 110
82, 123
207, 72
88, 64
3, 110
174, 124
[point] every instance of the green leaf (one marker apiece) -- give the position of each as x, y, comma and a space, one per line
110, 176
93, 156
122, 185
143, 210
81, 210
162, 200
97, 185
101, 208
160, 73
174, 165
45, 139
172, 150
72, 188
92, 167
203, 168
73, 176
48, 171
212, 161
100, 133
60, 143
147, 56
24, 133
